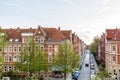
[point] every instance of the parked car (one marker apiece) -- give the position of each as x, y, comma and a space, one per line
75, 74
92, 66
93, 76
87, 64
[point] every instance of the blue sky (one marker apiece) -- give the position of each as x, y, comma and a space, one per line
85, 17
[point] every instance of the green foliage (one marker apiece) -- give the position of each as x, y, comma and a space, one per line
67, 58
103, 73
3, 43
33, 77
33, 59
10, 74
94, 45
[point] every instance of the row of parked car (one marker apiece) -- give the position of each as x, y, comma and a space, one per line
92, 68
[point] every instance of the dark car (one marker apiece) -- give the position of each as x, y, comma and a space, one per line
86, 64
75, 75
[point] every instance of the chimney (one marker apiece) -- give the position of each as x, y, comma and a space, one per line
18, 28
59, 28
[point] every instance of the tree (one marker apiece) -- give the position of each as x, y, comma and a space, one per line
103, 73
67, 58
3, 42
94, 45
33, 59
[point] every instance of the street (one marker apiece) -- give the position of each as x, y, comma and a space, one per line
85, 71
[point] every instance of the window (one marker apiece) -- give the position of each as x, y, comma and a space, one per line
10, 49
10, 58
19, 58
14, 56
42, 48
19, 49
15, 49
24, 40
23, 49
16, 40
10, 40
50, 48
49, 58
5, 68
5, 58
41, 40
56, 48
114, 58
5, 49
10, 68
113, 48
36, 39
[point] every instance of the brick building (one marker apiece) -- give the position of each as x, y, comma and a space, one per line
48, 38
110, 43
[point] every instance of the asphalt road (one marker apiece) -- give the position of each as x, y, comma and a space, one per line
85, 70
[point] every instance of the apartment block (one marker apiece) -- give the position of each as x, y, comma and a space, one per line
109, 51
48, 38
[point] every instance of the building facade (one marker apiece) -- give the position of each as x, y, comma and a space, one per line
112, 51
48, 38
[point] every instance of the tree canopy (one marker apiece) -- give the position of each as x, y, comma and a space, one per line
67, 58
33, 59
94, 45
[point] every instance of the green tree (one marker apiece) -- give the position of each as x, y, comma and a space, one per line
3, 42
94, 45
33, 59
103, 73
67, 58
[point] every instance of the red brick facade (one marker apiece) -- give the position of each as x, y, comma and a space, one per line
48, 38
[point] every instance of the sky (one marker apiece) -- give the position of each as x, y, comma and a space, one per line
87, 18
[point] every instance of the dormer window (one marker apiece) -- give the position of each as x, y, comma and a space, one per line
10, 40
16, 40
49, 38
113, 32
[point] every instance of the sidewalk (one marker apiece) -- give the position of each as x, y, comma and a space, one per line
69, 77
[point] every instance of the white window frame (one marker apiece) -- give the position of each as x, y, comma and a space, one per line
113, 48
42, 40
24, 39
15, 48
50, 46
10, 48
9, 58
19, 48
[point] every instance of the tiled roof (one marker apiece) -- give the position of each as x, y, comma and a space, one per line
66, 33
52, 34
113, 34
116, 36
110, 33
